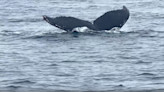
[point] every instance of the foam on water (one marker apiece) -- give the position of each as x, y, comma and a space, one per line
81, 29
87, 30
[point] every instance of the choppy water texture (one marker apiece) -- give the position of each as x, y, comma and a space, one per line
34, 54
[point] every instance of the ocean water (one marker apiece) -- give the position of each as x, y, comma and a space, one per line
36, 55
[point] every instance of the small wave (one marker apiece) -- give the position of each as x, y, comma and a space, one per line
53, 65
142, 62
147, 74
25, 20
38, 35
100, 61
69, 61
23, 82
8, 32
120, 86
65, 75
158, 78
13, 86
147, 33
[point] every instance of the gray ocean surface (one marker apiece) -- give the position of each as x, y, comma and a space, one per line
36, 55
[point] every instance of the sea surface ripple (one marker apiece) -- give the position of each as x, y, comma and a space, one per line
34, 54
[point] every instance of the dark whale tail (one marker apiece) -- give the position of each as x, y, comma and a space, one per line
68, 23
112, 19
107, 21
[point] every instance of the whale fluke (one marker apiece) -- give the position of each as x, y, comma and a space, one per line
68, 23
112, 19
107, 21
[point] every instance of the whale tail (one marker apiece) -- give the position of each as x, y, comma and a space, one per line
107, 21
68, 23
112, 19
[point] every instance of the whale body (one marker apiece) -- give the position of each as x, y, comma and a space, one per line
107, 21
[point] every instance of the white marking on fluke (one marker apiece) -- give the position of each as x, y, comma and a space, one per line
80, 29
